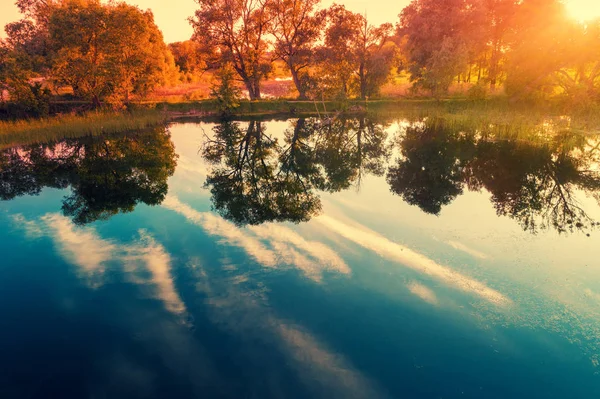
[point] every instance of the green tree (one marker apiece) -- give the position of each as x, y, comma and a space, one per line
225, 91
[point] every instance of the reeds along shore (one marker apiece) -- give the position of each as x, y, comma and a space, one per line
32, 131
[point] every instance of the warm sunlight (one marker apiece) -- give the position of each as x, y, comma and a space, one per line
584, 10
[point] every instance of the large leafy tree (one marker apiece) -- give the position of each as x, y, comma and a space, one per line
356, 57
374, 55
500, 16
116, 52
543, 39
297, 28
337, 55
187, 57
235, 32
441, 37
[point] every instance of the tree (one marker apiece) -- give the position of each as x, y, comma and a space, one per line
188, 57
441, 38
337, 56
296, 27
224, 91
234, 31
29, 36
356, 57
116, 52
500, 15
26, 99
543, 35
375, 55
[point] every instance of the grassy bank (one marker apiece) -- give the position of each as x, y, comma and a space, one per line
515, 119
70, 126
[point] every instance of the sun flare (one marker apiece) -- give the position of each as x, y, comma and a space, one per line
583, 10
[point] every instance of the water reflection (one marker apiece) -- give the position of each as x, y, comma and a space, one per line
258, 174
257, 178
106, 175
534, 183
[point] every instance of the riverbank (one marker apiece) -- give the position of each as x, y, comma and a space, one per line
31, 131
499, 112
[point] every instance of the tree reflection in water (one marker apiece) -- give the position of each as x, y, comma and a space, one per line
106, 175
535, 183
258, 178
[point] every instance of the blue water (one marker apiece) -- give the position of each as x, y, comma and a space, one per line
131, 269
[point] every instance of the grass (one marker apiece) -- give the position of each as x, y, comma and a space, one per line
33, 131
497, 114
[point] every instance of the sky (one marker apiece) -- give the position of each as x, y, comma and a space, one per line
171, 15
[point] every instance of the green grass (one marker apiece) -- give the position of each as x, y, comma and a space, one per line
32, 131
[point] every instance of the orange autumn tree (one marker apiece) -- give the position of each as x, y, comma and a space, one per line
235, 32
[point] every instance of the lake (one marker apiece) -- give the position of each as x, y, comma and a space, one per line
302, 258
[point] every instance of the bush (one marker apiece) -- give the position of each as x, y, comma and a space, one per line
477, 92
224, 91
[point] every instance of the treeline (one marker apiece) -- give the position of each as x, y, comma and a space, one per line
531, 47
113, 53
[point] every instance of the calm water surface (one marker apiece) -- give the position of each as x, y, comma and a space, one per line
301, 259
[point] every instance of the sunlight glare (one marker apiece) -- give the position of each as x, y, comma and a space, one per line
583, 10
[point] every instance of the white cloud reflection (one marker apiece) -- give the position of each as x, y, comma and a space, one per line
426, 294
240, 306
146, 261
468, 250
80, 246
269, 245
414, 260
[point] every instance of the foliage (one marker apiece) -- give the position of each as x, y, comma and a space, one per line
356, 57
225, 90
117, 51
234, 31
296, 28
188, 58
107, 175
27, 98
440, 39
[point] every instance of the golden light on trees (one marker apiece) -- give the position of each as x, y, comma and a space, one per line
583, 10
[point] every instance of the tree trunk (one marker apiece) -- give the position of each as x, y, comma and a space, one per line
96, 101
363, 82
298, 84
257, 95
253, 89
